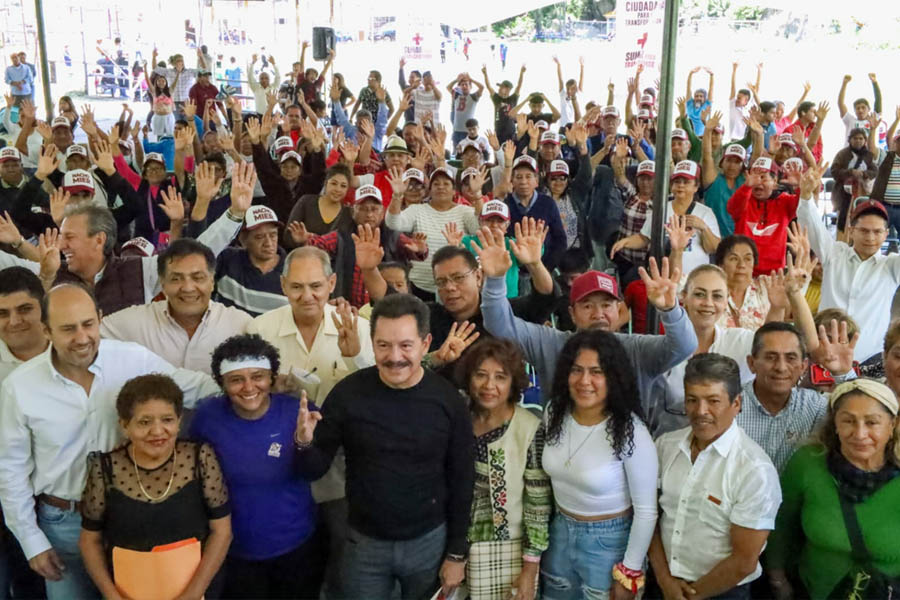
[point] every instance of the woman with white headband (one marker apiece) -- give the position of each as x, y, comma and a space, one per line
276, 551
838, 522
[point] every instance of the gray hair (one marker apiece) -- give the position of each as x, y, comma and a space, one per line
308, 252
99, 220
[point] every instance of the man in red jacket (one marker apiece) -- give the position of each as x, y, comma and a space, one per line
762, 213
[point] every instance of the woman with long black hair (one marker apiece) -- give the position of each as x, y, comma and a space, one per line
603, 467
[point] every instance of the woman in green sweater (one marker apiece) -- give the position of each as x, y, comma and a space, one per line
854, 464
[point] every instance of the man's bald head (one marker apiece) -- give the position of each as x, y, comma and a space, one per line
72, 323
64, 295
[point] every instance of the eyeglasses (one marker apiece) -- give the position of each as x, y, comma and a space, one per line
456, 279
868, 232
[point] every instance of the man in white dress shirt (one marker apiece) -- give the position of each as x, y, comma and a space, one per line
187, 326
56, 409
719, 492
321, 344
858, 279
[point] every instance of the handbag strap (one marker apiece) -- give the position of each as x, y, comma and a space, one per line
857, 544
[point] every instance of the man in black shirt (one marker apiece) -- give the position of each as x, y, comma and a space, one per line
409, 448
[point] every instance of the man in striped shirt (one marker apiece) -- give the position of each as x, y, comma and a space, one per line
776, 413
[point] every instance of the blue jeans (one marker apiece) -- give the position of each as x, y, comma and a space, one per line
63, 528
578, 564
893, 211
371, 566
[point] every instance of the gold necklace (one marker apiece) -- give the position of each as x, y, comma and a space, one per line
137, 474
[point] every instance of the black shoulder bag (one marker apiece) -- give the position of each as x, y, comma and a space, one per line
864, 581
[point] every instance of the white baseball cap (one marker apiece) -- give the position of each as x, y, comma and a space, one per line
495, 208
559, 167
283, 144
413, 174
78, 180
542, 124
60, 121
610, 111
154, 157
788, 139
468, 143
647, 100
9, 153
141, 245
679, 134
764, 163
736, 150
686, 169
527, 161
367, 191
647, 167
76, 149
469, 173
289, 155
550, 137
644, 113
259, 215
795, 163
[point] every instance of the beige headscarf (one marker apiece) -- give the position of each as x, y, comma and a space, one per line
878, 391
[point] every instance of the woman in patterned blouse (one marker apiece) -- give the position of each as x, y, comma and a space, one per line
511, 506
748, 299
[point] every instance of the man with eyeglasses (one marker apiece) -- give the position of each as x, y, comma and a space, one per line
859, 279
456, 321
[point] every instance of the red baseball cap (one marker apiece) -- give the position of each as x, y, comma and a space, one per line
865, 206
591, 282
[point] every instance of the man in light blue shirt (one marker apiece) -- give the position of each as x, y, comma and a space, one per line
20, 80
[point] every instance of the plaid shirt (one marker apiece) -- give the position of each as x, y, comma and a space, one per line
180, 84
635, 215
359, 297
781, 434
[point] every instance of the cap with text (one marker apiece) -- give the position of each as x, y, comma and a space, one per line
259, 215
592, 282
154, 157
647, 167
786, 139
794, 164
291, 155
60, 122
610, 111
365, 192
679, 134
647, 100
442, 171
416, 174
283, 144
76, 149
495, 208
686, 169
140, 246
542, 124
471, 171
559, 167
9, 153
764, 163
78, 180
737, 151
526, 161
550, 137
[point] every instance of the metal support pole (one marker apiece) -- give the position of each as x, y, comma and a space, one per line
663, 145
45, 65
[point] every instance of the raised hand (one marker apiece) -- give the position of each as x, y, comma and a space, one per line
529, 242
205, 181
662, 286
43, 128
103, 157
226, 139
345, 318
776, 289
509, 151
492, 254
297, 231
811, 180
417, 243
243, 180
368, 247
461, 336
9, 233
59, 199
48, 161
453, 234
493, 140
713, 121
48, 250
521, 122
822, 110
306, 422
190, 109
679, 233
621, 148
172, 204
835, 351
27, 110
266, 126
350, 151
184, 138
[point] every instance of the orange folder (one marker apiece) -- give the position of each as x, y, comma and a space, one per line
161, 574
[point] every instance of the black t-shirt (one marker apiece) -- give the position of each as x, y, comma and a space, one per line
502, 121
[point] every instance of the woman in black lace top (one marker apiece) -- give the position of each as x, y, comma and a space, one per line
154, 490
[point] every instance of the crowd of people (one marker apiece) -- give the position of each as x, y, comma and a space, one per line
355, 346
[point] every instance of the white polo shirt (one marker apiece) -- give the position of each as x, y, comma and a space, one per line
732, 482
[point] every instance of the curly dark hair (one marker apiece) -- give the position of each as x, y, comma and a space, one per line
622, 396
248, 344
505, 352
143, 388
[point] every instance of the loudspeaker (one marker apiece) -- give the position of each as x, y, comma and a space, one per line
323, 41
